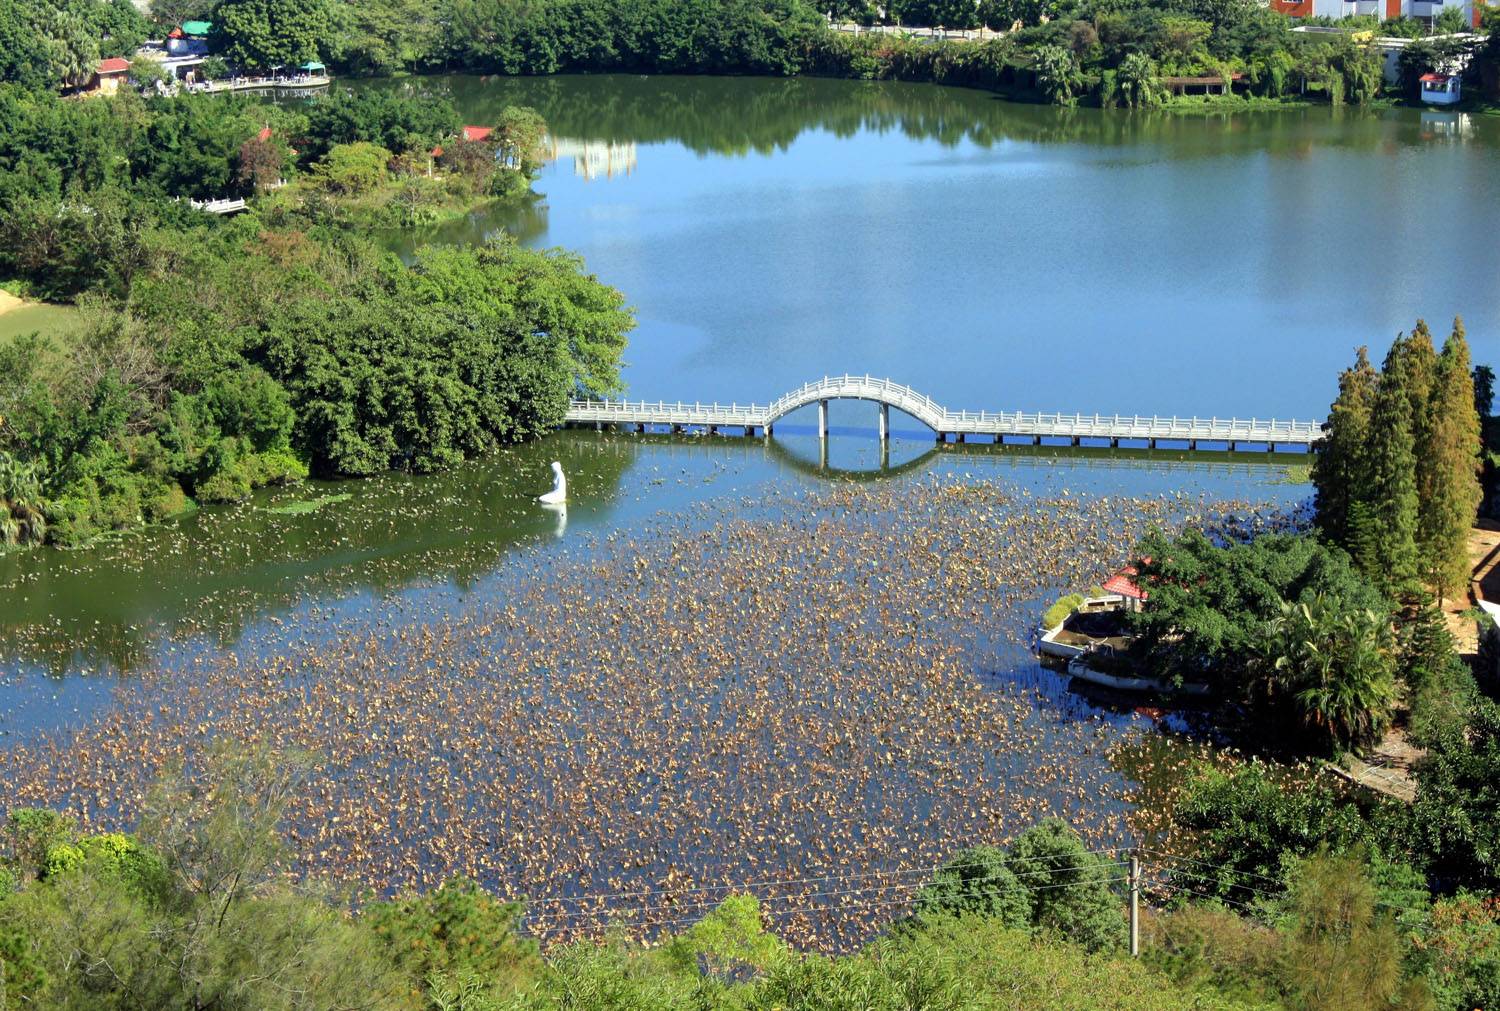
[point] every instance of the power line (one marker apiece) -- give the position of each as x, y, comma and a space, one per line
630, 916
772, 882
1228, 869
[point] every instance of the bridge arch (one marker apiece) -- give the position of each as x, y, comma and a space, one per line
881, 391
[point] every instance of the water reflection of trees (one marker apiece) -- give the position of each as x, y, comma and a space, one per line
524, 218
736, 116
226, 569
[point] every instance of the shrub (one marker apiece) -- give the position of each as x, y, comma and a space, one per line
457, 930
1068, 888
353, 169
976, 881
1249, 824
1463, 952
1059, 611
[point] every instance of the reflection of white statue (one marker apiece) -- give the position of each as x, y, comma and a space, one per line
561, 512
559, 492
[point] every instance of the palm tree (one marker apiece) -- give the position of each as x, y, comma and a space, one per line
72, 49
1057, 74
1138, 83
1335, 666
22, 520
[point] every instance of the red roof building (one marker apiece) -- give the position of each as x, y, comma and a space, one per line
477, 132
1123, 583
107, 76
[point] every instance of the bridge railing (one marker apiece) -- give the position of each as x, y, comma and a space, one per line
866, 387
668, 411
1135, 426
933, 414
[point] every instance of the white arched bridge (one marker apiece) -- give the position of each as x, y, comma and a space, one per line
1115, 428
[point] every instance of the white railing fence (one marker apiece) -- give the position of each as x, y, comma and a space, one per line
944, 421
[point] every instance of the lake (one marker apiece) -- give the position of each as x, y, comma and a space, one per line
1001, 256
733, 660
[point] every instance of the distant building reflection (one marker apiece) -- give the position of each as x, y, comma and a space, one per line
1452, 125
593, 159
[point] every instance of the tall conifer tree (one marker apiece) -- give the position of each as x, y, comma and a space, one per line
1384, 513
1336, 470
1455, 491
1412, 363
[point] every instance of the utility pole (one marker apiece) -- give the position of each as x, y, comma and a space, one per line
1135, 904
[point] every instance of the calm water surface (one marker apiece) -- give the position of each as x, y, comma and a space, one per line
1004, 256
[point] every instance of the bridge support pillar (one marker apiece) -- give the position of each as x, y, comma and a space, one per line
1036, 440
960, 438
713, 429
822, 419
1234, 447
1150, 443
941, 438
1077, 441
766, 431
640, 428
1193, 444
1114, 443
1270, 447
885, 424
749, 431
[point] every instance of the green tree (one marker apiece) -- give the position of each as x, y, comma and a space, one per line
1344, 954
1138, 82
1451, 20
1452, 468
1412, 364
1058, 75
1457, 811
262, 34
1250, 824
202, 919
1440, 686
1337, 469
1209, 606
518, 138
1334, 664
22, 517
1068, 888
354, 169
1384, 514
976, 881
72, 48
459, 931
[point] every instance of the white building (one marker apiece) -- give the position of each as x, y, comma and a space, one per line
1422, 10
1440, 89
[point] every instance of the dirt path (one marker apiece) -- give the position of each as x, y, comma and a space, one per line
9, 302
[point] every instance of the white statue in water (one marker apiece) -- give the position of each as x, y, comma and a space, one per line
559, 492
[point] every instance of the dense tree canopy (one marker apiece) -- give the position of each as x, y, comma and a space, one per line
264, 34
1398, 474
47, 43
